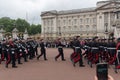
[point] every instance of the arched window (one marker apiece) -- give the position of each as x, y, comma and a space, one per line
87, 28
94, 28
81, 28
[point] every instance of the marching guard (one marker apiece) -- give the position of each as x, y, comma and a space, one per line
60, 50
12, 52
78, 51
43, 50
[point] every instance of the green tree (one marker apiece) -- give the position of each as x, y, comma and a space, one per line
34, 29
21, 24
9, 24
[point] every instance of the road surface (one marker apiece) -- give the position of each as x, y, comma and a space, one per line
51, 69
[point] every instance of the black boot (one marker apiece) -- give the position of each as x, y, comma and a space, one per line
14, 66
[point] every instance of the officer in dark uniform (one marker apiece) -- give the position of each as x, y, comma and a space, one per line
30, 49
95, 50
112, 47
19, 51
60, 50
6, 52
35, 47
43, 50
12, 52
24, 48
117, 62
78, 49
0, 52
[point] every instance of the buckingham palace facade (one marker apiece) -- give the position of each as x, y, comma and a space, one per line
86, 22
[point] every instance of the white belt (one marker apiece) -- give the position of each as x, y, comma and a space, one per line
118, 56
118, 50
101, 46
111, 48
94, 48
60, 47
77, 47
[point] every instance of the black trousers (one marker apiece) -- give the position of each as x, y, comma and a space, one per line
78, 51
25, 56
36, 51
30, 53
43, 52
13, 60
60, 50
19, 58
7, 57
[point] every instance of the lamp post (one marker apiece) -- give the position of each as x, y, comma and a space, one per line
44, 33
106, 30
59, 31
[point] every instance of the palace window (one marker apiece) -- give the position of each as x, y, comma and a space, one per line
69, 28
64, 22
69, 22
64, 28
81, 27
94, 27
51, 22
81, 21
52, 28
87, 27
58, 22
94, 20
48, 22
44, 23
87, 20
75, 21
118, 15
90, 20
75, 28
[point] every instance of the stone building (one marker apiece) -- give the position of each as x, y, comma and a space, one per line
25, 35
87, 22
15, 34
2, 32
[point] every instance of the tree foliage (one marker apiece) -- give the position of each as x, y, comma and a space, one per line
9, 24
34, 29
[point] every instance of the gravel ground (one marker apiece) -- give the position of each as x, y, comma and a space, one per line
51, 69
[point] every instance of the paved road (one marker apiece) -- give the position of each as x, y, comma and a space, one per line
51, 70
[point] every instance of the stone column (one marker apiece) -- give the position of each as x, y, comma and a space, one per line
109, 26
15, 33
25, 34
42, 27
55, 25
100, 24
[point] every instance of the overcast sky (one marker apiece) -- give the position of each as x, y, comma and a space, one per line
31, 9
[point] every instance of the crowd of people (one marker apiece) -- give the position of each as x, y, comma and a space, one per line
12, 50
96, 50
93, 50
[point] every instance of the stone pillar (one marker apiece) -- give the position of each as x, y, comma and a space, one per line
42, 28
109, 26
25, 36
15, 33
100, 24
55, 23
1, 34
